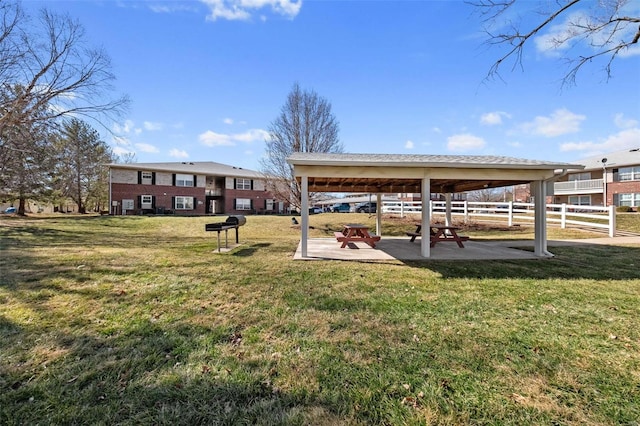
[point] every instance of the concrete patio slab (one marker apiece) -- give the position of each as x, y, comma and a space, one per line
400, 248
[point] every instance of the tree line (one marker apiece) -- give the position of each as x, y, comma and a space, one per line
52, 83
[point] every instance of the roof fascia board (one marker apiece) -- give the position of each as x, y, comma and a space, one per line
421, 165
385, 172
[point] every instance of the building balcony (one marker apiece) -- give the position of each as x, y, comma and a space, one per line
213, 192
591, 186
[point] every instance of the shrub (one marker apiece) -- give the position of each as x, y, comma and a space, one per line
624, 209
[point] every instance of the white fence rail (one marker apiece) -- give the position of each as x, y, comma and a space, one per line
563, 214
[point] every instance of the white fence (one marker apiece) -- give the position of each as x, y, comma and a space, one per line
563, 214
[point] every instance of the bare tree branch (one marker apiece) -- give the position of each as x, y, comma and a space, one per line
59, 73
305, 124
603, 29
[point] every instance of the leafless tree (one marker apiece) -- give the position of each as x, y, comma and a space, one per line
488, 195
58, 72
48, 72
305, 124
127, 158
606, 29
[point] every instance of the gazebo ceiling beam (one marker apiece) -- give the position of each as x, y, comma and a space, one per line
376, 185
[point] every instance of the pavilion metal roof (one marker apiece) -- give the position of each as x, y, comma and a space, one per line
387, 173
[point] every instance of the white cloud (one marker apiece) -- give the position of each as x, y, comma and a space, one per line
408, 145
178, 153
119, 150
124, 128
622, 140
561, 122
170, 7
464, 142
145, 147
251, 135
493, 118
242, 10
624, 123
228, 121
151, 126
210, 138
121, 140
436, 130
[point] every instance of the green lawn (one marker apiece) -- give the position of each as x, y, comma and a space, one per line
137, 320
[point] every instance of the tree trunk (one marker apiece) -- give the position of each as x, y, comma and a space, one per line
21, 206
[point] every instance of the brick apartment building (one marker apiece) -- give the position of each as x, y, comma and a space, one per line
608, 179
189, 188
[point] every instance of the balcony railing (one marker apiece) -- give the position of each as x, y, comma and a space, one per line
216, 192
591, 186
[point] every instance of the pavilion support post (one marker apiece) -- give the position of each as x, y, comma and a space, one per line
540, 219
379, 214
425, 240
304, 214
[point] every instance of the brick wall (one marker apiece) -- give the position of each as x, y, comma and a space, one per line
258, 198
630, 187
163, 196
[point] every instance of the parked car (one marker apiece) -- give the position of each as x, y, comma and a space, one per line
367, 207
341, 208
10, 210
315, 210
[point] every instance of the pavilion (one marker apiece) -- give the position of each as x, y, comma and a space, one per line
424, 174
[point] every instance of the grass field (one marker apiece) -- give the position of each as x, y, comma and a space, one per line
137, 320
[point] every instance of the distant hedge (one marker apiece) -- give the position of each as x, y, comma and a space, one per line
624, 209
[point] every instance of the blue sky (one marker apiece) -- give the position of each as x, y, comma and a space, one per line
206, 78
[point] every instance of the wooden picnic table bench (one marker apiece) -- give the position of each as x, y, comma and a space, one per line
355, 232
439, 233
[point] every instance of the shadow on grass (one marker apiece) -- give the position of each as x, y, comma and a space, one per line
251, 250
144, 374
586, 261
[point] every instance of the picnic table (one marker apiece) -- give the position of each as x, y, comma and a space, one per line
439, 233
354, 233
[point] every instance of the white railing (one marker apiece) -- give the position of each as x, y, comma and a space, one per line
579, 186
563, 214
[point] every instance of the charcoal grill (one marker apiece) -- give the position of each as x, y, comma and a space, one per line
232, 222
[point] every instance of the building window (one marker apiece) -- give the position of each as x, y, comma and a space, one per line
580, 200
631, 200
628, 173
184, 180
243, 184
243, 204
184, 203
580, 176
146, 201
146, 178
269, 205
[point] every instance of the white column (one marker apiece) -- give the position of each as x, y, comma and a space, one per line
379, 214
304, 213
447, 201
612, 221
540, 219
425, 239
